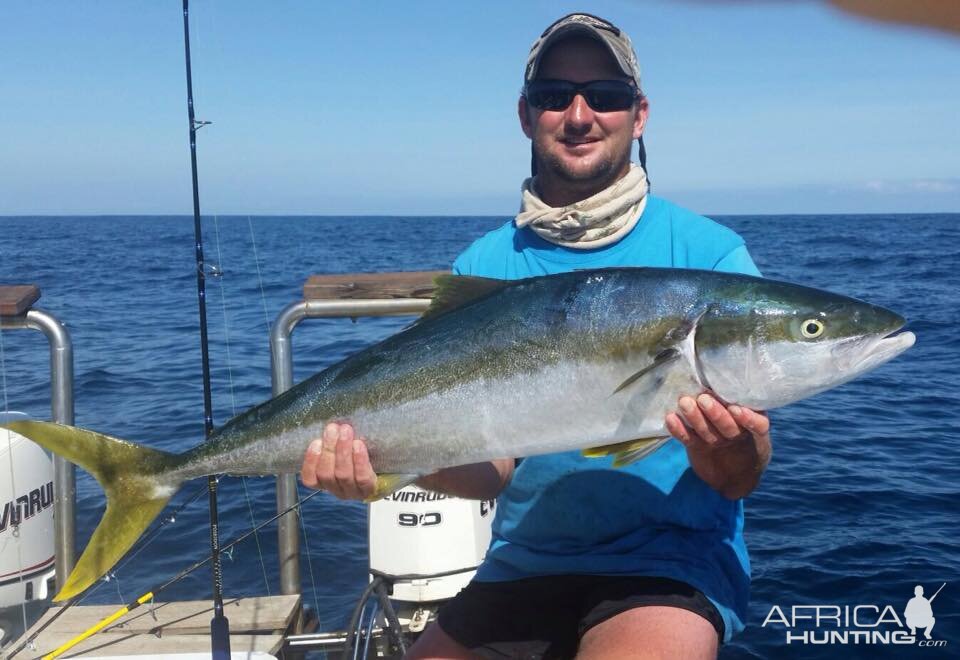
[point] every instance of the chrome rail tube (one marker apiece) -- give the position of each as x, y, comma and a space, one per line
61, 409
281, 366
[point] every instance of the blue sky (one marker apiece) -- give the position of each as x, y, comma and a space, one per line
409, 107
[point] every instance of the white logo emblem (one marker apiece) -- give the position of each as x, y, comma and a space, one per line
919, 613
863, 623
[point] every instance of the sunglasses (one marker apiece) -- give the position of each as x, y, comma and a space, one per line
600, 95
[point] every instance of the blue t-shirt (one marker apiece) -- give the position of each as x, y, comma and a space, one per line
567, 514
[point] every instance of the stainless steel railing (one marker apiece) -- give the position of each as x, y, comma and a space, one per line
281, 362
61, 408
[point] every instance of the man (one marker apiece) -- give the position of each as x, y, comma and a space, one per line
919, 612
587, 560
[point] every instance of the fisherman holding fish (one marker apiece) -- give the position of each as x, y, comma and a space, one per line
549, 338
645, 560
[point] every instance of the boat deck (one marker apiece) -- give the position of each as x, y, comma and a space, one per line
257, 625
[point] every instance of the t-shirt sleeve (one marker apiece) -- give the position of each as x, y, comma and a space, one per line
461, 265
738, 261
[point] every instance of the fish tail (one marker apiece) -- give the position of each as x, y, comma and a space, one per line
132, 477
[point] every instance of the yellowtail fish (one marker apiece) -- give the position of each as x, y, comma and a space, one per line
590, 360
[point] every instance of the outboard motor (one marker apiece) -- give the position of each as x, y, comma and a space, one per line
26, 531
424, 548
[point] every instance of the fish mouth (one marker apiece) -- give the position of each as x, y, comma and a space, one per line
862, 354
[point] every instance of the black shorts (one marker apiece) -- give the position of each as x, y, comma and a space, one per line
545, 617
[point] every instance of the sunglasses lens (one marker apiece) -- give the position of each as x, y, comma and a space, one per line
601, 95
609, 96
550, 96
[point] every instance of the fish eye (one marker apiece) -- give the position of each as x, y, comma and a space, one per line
811, 328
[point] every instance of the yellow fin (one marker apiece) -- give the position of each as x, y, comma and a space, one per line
454, 291
132, 478
391, 483
627, 452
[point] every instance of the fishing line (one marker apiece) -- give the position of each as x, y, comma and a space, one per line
256, 262
116, 581
147, 539
303, 528
266, 321
149, 595
14, 529
306, 546
233, 398
217, 50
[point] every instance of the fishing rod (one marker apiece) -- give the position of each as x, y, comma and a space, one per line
938, 592
219, 625
149, 594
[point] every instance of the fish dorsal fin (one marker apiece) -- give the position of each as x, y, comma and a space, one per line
455, 291
627, 452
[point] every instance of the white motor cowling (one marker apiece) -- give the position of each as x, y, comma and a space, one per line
26, 529
428, 544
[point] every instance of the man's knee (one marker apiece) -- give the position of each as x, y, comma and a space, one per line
435, 644
651, 632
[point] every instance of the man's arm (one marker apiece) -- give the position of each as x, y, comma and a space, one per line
338, 463
728, 446
477, 481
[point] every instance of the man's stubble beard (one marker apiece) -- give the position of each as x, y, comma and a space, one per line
602, 175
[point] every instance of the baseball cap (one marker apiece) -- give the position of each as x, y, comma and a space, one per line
615, 40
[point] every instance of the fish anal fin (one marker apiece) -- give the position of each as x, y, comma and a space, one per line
626, 458
627, 452
390, 483
455, 291
663, 357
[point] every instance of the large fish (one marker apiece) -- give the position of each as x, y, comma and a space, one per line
592, 360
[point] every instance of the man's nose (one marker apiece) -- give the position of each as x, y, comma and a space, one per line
579, 115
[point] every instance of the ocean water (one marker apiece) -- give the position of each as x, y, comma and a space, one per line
859, 505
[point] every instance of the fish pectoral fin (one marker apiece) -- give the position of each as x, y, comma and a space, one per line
455, 291
663, 357
390, 483
627, 452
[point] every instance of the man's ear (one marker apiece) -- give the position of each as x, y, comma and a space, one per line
523, 111
640, 117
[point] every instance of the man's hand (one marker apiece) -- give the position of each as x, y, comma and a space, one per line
728, 446
338, 463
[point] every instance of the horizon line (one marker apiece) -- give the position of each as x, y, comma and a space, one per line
436, 215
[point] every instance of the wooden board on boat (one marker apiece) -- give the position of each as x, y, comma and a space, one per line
18, 298
257, 623
377, 286
107, 645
